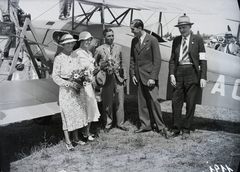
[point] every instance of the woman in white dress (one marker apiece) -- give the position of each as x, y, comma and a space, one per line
87, 61
71, 94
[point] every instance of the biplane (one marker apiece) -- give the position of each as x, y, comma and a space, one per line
37, 98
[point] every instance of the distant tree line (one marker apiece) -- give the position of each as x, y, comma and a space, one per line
170, 37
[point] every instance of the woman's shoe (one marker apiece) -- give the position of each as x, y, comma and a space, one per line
79, 142
69, 146
89, 138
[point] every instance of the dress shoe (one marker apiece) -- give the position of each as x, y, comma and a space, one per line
140, 131
123, 128
62, 17
174, 133
106, 130
185, 136
88, 138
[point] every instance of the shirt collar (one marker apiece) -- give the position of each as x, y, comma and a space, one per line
143, 36
188, 37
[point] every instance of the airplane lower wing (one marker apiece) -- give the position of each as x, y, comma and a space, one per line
29, 99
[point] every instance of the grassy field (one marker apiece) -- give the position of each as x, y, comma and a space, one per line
27, 146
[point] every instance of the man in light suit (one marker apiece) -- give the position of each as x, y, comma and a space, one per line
115, 82
188, 73
229, 46
145, 63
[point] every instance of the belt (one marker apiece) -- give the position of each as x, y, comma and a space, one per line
181, 63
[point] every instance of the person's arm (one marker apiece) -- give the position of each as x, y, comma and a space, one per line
202, 63
132, 61
172, 66
132, 65
202, 59
97, 56
122, 65
156, 61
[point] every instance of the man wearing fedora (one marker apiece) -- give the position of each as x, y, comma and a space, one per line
188, 73
229, 46
114, 84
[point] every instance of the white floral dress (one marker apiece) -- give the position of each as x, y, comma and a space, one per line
87, 61
72, 103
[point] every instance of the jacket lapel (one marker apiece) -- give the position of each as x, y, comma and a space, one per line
137, 44
177, 50
191, 42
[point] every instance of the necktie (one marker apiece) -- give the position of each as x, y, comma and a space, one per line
111, 48
184, 49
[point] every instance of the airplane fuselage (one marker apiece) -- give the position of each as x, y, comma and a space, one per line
222, 88
223, 69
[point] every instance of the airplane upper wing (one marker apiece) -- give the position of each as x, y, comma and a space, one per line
28, 99
170, 6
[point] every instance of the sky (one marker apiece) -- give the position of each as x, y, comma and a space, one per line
213, 23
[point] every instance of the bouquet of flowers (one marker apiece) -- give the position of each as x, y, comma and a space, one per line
81, 77
109, 66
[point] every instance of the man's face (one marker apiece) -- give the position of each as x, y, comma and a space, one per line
184, 30
228, 39
135, 31
109, 38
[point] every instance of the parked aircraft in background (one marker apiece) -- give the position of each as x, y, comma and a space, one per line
30, 99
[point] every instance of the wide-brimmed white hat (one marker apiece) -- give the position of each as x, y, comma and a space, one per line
84, 35
67, 38
183, 20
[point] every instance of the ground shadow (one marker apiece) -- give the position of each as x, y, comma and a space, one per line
21, 139
131, 114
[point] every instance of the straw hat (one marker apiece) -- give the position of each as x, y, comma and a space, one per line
84, 35
67, 38
99, 79
228, 34
183, 20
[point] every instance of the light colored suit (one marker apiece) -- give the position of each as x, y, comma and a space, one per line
145, 64
114, 85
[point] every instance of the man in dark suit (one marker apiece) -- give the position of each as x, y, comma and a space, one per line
115, 81
188, 73
145, 63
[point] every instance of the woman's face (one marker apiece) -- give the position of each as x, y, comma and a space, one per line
69, 46
86, 43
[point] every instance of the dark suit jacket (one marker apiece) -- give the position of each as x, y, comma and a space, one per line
196, 47
145, 61
102, 53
